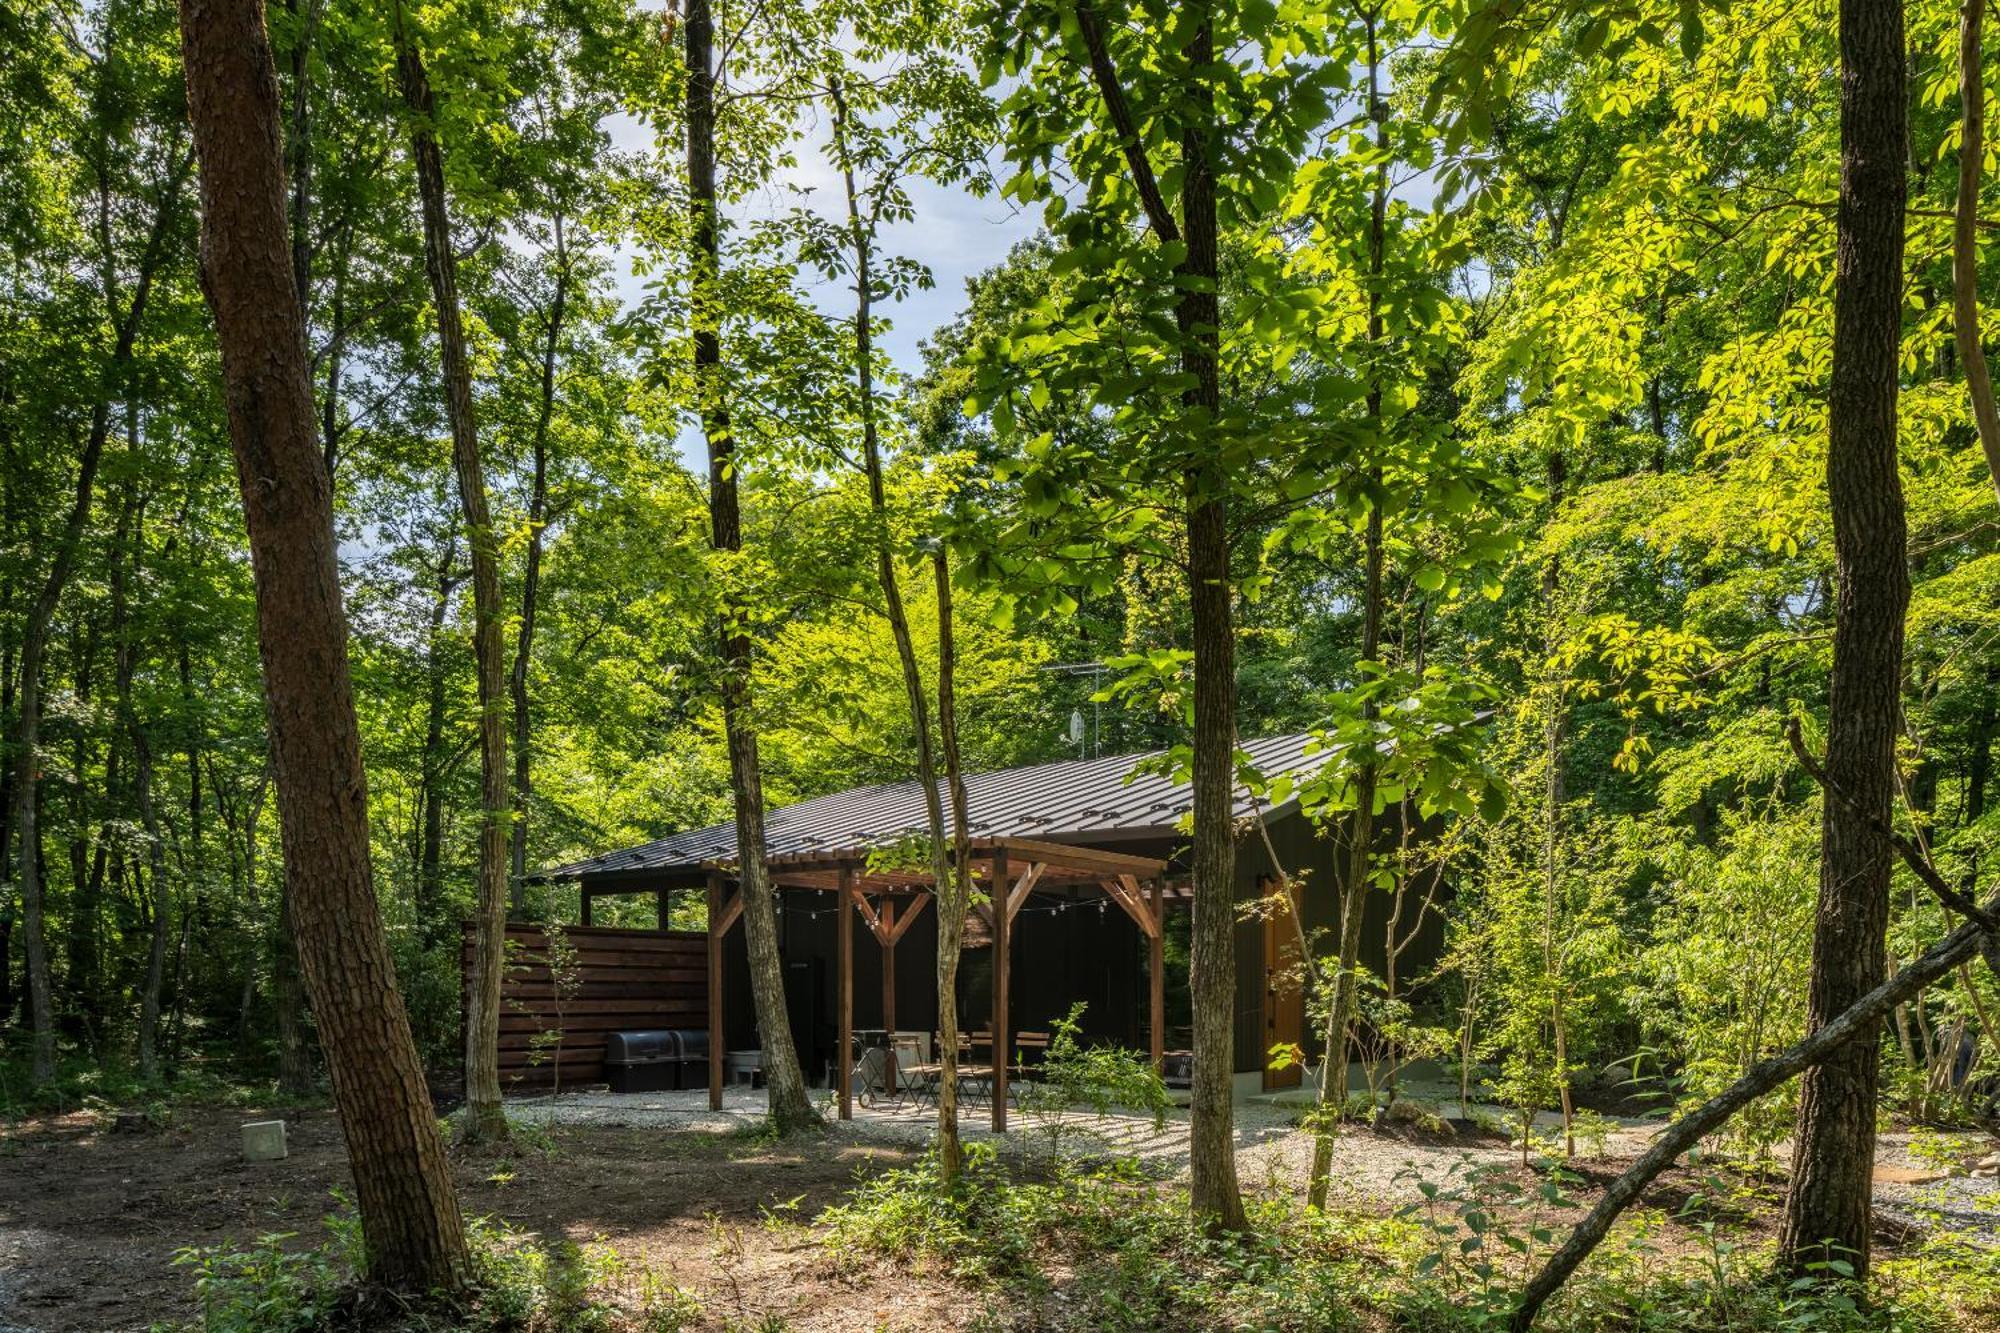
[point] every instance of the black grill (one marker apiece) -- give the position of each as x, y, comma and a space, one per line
656, 1060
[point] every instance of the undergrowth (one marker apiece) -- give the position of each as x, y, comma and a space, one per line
1106, 1248
520, 1284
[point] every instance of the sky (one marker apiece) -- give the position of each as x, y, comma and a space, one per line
955, 234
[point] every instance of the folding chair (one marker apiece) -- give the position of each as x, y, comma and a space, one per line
975, 1079
915, 1075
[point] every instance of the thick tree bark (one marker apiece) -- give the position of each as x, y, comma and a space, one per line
288, 998
1827, 1210
485, 1121
791, 1108
409, 1211
531, 581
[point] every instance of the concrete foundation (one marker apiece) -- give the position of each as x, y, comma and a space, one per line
264, 1141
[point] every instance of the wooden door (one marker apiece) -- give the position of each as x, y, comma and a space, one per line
1284, 997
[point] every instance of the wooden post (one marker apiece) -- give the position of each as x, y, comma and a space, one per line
1002, 892
714, 991
889, 936
583, 897
664, 906
1156, 981
843, 1059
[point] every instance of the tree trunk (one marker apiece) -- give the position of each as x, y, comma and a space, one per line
1965, 234
27, 774
195, 865
791, 1108
1355, 885
1358, 878
159, 904
1212, 945
943, 841
409, 1210
295, 1061
1827, 1210
84, 966
6, 807
485, 1121
431, 923
1979, 763
531, 580
954, 896
41, 616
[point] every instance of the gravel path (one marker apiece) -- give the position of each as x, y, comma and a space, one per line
1270, 1146
1271, 1150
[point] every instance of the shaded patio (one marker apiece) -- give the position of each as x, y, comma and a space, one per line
889, 898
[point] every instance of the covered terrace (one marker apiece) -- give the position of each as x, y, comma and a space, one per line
887, 899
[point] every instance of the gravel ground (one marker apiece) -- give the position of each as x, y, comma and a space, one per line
1273, 1152
1270, 1146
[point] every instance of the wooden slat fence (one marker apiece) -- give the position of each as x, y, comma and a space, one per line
629, 979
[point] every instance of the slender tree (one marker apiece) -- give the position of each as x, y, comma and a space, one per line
791, 1108
1358, 875
126, 322
1965, 233
861, 239
412, 1230
485, 1121
531, 578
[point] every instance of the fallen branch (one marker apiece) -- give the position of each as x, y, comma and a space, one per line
1855, 1023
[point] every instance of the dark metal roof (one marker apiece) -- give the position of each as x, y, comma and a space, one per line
1074, 800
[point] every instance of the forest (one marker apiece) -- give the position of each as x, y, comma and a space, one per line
444, 441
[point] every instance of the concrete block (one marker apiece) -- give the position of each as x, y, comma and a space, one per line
264, 1141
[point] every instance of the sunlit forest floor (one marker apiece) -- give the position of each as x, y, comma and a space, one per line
663, 1196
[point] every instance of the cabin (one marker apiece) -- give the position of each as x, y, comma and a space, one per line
1085, 865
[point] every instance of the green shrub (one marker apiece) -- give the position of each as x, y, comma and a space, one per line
1097, 1079
518, 1284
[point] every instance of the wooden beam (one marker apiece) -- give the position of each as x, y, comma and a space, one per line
912, 910
583, 898
888, 940
732, 911
1125, 891
843, 1058
714, 993
1075, 858
1156, 983
868, 912
1002, 920
1023, 887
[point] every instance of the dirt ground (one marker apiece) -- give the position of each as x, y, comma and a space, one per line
91, 1217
